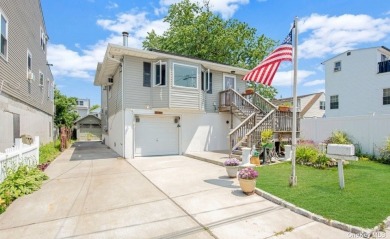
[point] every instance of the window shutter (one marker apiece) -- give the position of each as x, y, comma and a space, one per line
202, 81
210, 91
147, 74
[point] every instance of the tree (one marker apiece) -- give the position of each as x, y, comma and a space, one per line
65, 109
196, 31
267, 92
94, 107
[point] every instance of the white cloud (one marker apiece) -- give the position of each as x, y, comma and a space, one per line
314, 82
285, 78
336, 34
226, 8
112, 5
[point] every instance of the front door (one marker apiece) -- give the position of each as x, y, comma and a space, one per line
229, 82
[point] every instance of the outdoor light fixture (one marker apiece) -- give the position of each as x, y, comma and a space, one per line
177, 119
137, 119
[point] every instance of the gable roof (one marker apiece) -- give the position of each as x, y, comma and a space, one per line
378, 47
86, 117
115, 53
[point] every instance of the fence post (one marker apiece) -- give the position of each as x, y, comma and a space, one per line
36, 141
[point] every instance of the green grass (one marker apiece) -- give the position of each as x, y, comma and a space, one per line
363, 202
49, 152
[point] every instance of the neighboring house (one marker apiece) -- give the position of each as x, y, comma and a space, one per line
26, 82
88, 128
357, 86
82, 107
309, 106
357, 82
156, 103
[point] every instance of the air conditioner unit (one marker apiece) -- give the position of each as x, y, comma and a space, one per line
30, 75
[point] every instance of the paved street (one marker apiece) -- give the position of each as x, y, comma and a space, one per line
94, 194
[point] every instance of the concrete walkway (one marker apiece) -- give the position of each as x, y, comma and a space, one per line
93, 194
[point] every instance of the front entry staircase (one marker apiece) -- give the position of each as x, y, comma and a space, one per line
256, 115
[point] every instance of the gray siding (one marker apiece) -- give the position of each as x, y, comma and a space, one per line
24, 23
115, 94
136, 96
216, 88
103, 94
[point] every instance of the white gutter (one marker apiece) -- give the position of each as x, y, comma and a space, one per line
123, 110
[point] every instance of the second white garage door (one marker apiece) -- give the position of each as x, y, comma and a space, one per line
156, 136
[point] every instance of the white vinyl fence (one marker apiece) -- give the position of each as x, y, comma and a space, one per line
369, 131
20, 154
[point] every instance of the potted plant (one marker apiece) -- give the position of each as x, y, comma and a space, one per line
285, 107
266, 138
247, 179
255, 158
231, 166
249, 91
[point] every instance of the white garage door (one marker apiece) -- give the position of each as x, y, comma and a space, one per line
156, 136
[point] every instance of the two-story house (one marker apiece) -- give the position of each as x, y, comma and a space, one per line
82, 107
26, 82
157, 103
357, 82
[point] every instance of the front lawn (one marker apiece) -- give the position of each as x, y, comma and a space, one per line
364, 202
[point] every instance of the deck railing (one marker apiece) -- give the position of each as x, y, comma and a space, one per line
231, 98
262, 103
238, 135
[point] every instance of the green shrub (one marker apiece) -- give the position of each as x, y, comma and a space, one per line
49, 152
23, 181
321, 161
306, 153
339, 137
384, 153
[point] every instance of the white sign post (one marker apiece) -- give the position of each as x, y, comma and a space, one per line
341, 152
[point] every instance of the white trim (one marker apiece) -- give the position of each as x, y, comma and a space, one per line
196, 78
5, 57
154, 64
224, 80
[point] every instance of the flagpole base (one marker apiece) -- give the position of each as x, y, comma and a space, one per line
293, 181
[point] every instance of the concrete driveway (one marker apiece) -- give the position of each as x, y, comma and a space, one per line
94, 194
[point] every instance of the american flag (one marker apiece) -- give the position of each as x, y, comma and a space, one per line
265, 71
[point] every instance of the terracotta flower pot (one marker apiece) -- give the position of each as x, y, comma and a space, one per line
255, 160
232, 171
247, 185
249, 91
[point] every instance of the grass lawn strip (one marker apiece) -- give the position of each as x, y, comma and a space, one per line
363, 202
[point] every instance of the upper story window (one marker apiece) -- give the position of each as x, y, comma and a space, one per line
29, 61
147, 74
207, 81
160, 73
337, 66
386, 96
41, 80
43, 40
334, 102
322, 105
4, 36
80, 102
185, 75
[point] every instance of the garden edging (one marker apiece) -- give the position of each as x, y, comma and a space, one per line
364, 232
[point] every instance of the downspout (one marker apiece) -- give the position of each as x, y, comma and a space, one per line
123, 110
125, 44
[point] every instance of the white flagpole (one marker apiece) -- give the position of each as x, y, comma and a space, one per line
293, 178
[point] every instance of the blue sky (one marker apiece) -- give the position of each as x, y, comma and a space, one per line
79, 31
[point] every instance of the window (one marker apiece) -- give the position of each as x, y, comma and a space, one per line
147, 74
51, 89
160, 73
48, 89
386, 96
185, 76
41, 80
4, 36
337, 66
43, 40
207, 82
334, 102
81, 102
29, 61
322, 105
